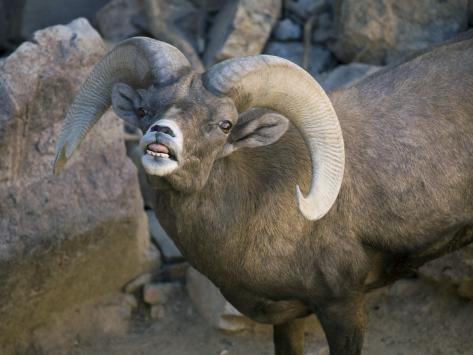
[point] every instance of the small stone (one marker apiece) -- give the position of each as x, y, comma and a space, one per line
157, 312
131, 301
286, 30
158, 293
135, 284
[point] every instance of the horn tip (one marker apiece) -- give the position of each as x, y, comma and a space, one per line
59, 161
308, 209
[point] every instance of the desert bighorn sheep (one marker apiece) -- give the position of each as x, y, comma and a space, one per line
391, 194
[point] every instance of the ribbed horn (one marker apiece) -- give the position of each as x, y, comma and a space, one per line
137, 61
280, 85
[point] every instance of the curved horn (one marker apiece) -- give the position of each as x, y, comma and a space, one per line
138, 61
280, 85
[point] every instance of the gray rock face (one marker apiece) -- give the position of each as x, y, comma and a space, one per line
382, 31
241, 28
346, 75
71, 238
115, 20
454, 270
286, 30
320, 57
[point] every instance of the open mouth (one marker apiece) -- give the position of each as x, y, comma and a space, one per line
159, 150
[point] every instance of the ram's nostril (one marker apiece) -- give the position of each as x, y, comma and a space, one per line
163, 129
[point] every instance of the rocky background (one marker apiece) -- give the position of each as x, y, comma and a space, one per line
85, 267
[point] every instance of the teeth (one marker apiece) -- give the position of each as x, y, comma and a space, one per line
162, 155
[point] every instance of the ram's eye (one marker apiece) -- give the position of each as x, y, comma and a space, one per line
141, 112
225, 126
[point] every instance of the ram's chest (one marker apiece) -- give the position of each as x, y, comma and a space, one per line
197, 228
234, 250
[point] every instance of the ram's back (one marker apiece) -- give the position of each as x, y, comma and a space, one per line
408, 132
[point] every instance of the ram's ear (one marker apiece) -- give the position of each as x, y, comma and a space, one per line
125, 102
256, 128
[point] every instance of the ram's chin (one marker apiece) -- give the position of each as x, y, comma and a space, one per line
158, 166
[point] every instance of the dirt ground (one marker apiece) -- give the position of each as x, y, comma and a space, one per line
410, 317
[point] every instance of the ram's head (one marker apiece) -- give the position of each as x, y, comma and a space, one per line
191, 119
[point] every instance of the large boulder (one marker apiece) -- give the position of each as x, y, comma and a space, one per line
382, 31
63, 239
241, 28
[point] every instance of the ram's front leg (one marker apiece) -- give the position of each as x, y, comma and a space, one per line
343, 322
288, 338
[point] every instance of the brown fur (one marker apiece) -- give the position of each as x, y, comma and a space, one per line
406, 198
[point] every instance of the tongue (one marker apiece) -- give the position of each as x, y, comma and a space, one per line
158, 148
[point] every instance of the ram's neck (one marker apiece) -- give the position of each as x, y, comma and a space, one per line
249, 200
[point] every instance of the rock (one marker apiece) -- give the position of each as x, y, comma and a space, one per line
346, 75
180, 23
159, 293
173, 272
108, 316
153, 258
131, 301
324, 29
63, 239
138, 282
452, 270
213, 307
160, 237
114, 20
286, 30
305, 9
382, 31
211, 5
157, 312
312, 6
241, 28
320, 57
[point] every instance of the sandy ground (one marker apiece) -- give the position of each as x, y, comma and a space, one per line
410, 317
